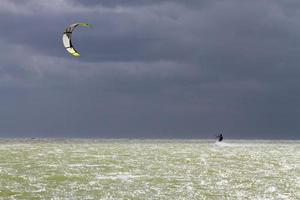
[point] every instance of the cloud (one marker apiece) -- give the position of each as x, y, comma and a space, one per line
150, 68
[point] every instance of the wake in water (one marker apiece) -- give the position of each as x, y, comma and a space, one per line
224, 144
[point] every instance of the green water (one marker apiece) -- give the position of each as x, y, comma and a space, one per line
149, 169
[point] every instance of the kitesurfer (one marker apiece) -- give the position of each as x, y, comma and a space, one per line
220, 137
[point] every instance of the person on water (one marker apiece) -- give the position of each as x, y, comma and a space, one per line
220, 137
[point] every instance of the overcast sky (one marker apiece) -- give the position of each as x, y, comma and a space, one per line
151, 69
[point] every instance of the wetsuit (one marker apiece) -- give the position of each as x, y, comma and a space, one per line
220, 137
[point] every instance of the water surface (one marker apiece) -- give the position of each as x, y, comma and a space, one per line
149, 169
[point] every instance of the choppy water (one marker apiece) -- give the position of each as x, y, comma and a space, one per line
149, 169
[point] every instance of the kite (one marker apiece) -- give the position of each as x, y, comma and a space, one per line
67, 38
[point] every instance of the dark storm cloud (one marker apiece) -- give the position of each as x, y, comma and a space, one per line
182, 69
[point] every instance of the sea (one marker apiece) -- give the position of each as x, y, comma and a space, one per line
149, 169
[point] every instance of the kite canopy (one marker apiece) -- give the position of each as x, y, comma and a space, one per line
67, 41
